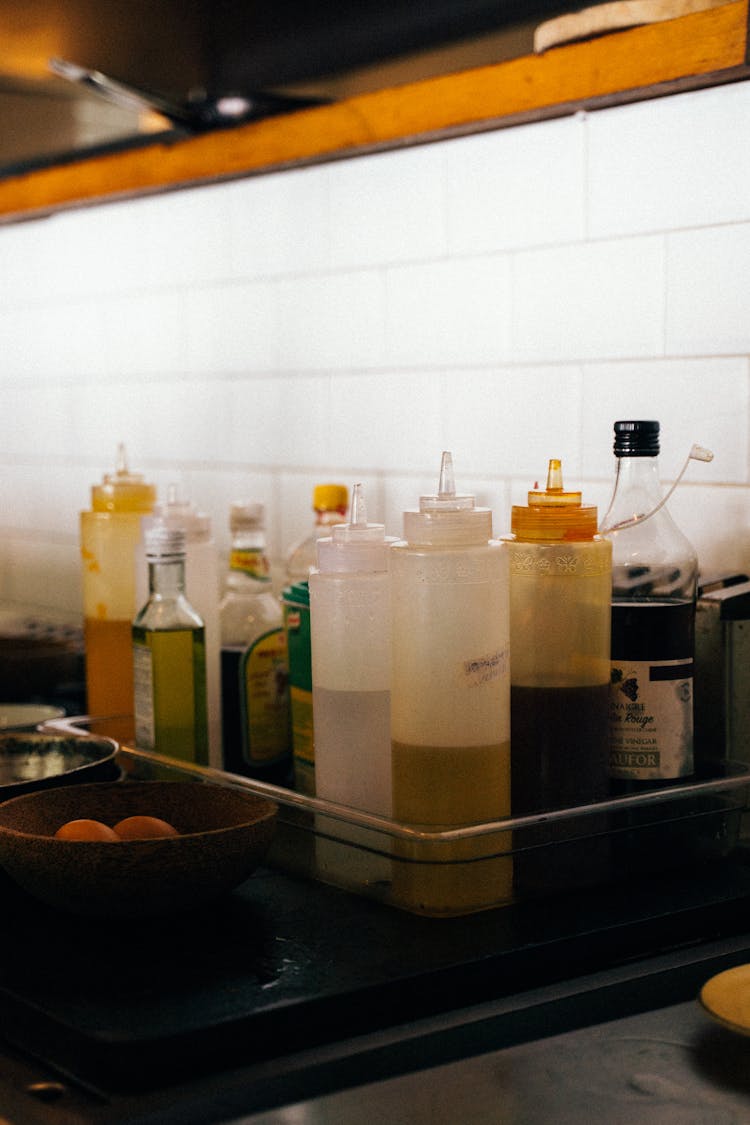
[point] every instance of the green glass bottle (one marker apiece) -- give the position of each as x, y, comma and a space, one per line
169, 657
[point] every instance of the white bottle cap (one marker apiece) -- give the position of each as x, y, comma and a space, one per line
447, 519
164, 542
182, 513
357, 546
247, 516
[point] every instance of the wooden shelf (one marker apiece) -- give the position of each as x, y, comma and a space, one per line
702, 49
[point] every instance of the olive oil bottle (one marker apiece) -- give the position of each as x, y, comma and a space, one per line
169, 656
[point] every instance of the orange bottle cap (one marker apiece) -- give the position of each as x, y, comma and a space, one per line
552, 513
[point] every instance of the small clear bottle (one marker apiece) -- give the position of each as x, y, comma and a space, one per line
169, 657
330, 504
654, 584
254, 665
202, 591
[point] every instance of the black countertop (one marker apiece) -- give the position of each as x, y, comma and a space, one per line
287, 988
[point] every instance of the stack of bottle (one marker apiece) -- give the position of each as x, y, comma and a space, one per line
443, 680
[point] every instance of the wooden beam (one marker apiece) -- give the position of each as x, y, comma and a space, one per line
703, 48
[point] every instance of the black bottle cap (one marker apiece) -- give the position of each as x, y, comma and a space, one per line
636, 439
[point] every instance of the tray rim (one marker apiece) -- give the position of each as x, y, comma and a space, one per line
739, 777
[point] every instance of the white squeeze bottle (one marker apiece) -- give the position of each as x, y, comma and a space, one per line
350, 631
450, 699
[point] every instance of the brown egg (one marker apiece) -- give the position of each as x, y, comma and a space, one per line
143, 828
86, 830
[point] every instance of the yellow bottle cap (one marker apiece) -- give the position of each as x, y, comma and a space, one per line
330, 498
123, 491
553, 513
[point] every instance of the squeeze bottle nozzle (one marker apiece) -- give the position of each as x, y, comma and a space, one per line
358, 517
447, 498
447, 518
553, 513
123, 491
179, 512
357, 545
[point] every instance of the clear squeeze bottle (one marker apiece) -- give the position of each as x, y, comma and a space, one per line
330, 503
110, 534
350, 627
202, 591
450, 707
654, 580
254, 664
560, 596
169, 656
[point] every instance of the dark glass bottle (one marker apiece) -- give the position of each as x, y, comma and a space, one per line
254, 661
654, 582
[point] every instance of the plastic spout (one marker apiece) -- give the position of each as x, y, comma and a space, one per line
554, 513
121, 460
123, 491
697, 453
446, 498
356, 546
447, 482
554, 476
554, 495
358, 515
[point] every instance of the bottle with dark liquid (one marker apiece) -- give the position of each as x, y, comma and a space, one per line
654, 581
560, 589
254, 661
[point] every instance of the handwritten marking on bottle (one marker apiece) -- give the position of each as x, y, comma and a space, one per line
483, 669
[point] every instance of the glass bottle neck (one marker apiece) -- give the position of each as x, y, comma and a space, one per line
637, 489
166, 577
643, 471
248, 561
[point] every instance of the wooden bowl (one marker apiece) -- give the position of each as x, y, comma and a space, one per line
223, 835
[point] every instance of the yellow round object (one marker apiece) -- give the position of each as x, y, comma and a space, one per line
85, 829
144, 828
726, 998
330, 498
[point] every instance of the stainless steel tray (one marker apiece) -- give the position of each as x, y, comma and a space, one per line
480, 866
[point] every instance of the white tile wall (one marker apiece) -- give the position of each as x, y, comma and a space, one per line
506, 295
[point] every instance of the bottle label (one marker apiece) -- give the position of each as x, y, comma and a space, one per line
251, 561
651, 719
548, 561
301, 727
143, 693
264, 699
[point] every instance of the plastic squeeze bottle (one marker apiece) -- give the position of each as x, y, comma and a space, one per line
654, 579
202, 591
350, 630
169, 656
560, 587
450, 706
110, 534
330, 503
254, 663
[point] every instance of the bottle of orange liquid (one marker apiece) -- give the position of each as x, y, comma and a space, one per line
110, 534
